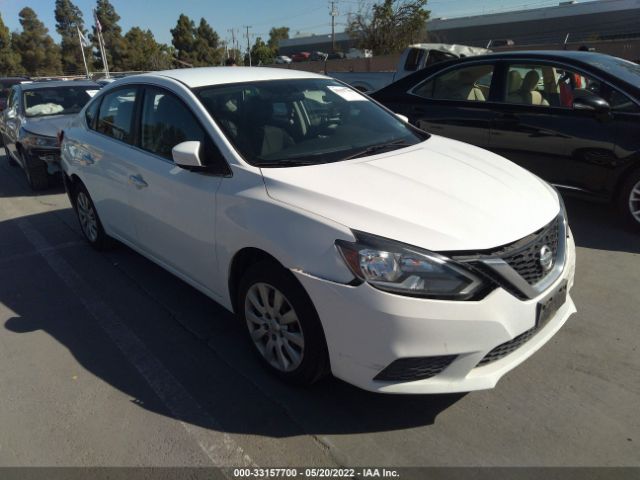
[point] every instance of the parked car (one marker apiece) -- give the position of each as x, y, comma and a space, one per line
5, 87
573, 118
29, 125
301, 57
345, 239
336, 56
357, 53
414, 57
318, 56
283, 59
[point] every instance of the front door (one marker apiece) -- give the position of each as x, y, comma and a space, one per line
174, 209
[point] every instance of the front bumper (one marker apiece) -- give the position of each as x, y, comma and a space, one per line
367, 329
50, 156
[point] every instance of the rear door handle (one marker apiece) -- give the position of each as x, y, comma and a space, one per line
137, 181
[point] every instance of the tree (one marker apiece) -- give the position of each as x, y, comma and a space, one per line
141, 52
275, 35
389, 26
68, 20
9, 59
183, 39
38, 52
112, 35
261, 53
207, 49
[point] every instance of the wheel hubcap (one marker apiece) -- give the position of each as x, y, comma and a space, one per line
274, 327
634, 202
87, 217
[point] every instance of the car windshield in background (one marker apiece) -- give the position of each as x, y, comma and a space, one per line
623, 69
56, 100
303, 122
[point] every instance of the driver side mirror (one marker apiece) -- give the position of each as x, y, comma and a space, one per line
593, 104
186, 155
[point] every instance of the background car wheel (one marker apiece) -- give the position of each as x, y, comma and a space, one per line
630, 201
36, 172
89, 221
11, 161
282, 324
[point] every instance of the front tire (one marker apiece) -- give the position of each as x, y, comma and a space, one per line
11, 161
629, 202
36, 172
282, 324
89, 221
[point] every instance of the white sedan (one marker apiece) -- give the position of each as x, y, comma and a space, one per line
345, 239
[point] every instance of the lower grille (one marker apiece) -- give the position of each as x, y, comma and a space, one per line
508, 347
415, 368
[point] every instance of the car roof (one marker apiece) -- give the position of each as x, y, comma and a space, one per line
575, 55
59, 83
206, 76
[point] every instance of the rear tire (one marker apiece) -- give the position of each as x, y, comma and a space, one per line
629, 201
90, 223
282, 324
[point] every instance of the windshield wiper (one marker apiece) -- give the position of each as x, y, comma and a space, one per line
379, 147
287, 163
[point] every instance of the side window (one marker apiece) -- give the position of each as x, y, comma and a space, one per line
115, 117
620, 102
414, 59
547, 85
166, 122
91, 113
471, 83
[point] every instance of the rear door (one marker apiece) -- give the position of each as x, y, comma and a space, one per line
536, 126
103, 152
174, 209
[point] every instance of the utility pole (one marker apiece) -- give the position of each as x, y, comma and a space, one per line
248, 43
334, 14
233, 42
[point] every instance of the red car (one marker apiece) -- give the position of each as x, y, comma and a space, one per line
300, 56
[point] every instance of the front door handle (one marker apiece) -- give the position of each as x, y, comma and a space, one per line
137, 181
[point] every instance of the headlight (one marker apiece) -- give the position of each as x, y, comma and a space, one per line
398, 268
34, 140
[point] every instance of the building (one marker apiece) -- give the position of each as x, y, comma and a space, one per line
584, 22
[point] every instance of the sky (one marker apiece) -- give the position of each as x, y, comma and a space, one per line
308, 16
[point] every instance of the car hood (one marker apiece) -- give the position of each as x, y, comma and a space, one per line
48, 126
441, 195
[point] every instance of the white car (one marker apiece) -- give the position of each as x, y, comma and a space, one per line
283, 59
345, 239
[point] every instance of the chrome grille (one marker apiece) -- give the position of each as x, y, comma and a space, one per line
526, 260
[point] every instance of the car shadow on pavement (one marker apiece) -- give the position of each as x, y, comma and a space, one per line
200, 344
599, 226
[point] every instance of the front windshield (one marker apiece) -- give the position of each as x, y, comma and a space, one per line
623, 69
56, 100
305, 121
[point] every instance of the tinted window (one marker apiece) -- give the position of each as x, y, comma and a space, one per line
471, 83
56, 100
618, 67
116, 114
166, 122
306, 121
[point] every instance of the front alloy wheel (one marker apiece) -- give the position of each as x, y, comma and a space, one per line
274, 327
282, 323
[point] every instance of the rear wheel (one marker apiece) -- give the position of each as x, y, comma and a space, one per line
282, 324
89, 221
630, 200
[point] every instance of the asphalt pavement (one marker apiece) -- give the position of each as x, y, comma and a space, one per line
108, 360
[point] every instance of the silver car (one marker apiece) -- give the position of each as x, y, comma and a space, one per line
35, 113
